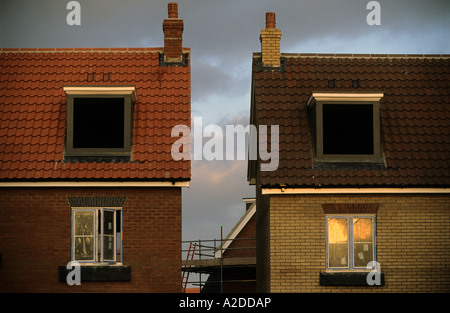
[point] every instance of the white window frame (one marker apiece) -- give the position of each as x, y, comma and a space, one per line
98, 241
350, 242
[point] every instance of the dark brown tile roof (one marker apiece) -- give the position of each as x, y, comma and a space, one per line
33, 112
414, 117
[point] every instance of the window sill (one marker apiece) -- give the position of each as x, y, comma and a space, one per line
100, 273
347, 279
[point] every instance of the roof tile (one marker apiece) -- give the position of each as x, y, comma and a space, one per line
414, 117
33, 112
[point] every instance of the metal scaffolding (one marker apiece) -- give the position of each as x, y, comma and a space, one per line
213, 258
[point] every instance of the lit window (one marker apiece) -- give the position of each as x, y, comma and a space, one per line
350, 241
96, 235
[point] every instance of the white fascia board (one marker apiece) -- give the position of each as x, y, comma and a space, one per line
101, 90
345, 96
285, 191
95, 184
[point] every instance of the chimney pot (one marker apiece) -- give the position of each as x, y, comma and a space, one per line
270, 20
173, 10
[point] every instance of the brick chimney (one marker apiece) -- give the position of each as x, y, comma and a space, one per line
270, 42
173, 35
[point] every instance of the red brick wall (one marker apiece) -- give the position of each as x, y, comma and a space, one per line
35, 228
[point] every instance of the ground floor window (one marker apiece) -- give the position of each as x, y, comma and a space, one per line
96, 235
350, 241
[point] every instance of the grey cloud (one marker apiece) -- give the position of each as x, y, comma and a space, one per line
214, 198
214, 79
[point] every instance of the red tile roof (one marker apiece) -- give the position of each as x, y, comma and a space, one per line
33, 112
414, 117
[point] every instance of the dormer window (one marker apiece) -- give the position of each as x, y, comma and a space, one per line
99, 120
346, 127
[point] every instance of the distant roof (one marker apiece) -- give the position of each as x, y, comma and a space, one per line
33, 112
414, 117
243, 221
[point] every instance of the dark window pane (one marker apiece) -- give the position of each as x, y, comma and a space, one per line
108, 247
363, 254
348, 129
108, 223
108, 235
118, 235
98, 123
338, 255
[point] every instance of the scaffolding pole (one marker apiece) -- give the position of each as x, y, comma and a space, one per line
210, 257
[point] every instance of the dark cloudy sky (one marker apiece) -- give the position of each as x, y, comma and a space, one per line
222, 35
